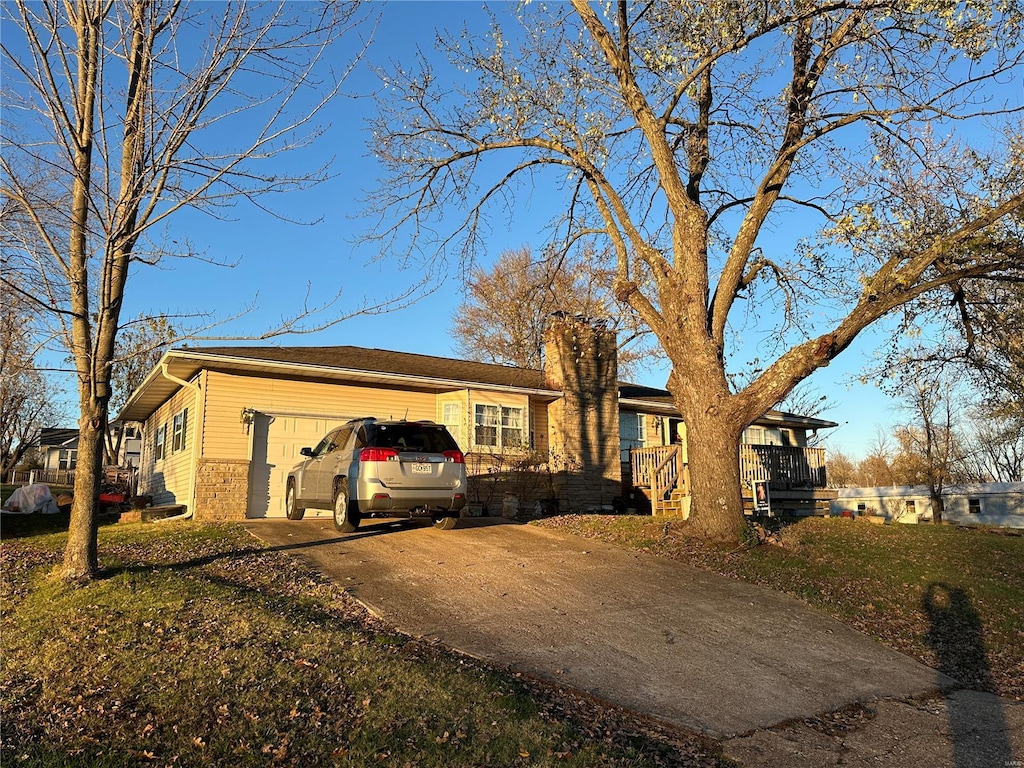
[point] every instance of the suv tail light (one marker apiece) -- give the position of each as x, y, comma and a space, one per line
378, 454
455, 457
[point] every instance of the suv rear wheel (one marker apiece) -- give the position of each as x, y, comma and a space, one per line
346, 519
290, 509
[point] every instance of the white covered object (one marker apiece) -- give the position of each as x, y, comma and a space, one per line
30, 499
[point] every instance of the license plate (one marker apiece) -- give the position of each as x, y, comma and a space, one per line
422, 469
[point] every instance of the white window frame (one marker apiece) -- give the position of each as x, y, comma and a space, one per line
451, 417
179, 431
500, 418
513, 435
975, 506
754, 435
160, 442
67, 459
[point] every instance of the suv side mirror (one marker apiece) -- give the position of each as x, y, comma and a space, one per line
306, 452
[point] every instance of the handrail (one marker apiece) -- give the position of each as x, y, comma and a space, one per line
659, 490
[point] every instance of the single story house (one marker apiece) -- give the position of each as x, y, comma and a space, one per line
995, 504
58, 448
223, 425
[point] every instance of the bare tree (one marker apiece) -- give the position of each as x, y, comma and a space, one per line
135, 110
994, 448
842, 471
505, 311
758, 169
26, 404
140, 344
931, 440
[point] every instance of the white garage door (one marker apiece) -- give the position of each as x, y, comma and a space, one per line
276, 442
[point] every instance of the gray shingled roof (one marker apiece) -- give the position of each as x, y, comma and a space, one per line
386, 361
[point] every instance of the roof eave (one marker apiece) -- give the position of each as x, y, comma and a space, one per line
129, 413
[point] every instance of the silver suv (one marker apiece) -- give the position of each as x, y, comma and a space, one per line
391, 467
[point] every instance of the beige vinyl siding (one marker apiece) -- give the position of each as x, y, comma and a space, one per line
539, 425
267, 421
227, 437
169, 480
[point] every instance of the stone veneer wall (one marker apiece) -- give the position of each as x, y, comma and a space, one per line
222, 489
581, 359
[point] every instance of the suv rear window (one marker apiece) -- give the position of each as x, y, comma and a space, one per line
411, 437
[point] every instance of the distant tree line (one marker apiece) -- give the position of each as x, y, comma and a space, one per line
976, 449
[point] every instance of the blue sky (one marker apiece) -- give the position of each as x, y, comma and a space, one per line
279, 262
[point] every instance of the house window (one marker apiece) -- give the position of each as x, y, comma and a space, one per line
179, 432
911, 508
160, 442
632, 433
862, 508
499, 426
451, 417
486, 421
974, 506
67, 459
754, 436
513, 435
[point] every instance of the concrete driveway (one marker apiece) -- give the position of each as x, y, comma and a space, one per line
688, 647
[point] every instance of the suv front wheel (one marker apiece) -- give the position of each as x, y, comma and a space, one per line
291, 509
346, 519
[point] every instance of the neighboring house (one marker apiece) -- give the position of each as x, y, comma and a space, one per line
997, 504
223, 425
58, 449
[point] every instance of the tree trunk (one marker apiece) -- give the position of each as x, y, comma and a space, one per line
713, 430
938, 506
716, 504
80, 556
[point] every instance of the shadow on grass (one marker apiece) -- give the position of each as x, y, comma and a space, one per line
36, 524
977, 723
384, 527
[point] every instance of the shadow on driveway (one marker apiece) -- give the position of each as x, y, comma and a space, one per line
977, 722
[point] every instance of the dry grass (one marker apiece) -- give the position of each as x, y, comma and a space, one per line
200, 646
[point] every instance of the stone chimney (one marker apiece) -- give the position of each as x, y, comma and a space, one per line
581, 360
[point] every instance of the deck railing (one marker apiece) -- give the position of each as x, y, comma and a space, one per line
47, 476
784, 468
66, 477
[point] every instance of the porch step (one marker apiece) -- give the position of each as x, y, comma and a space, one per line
676, 506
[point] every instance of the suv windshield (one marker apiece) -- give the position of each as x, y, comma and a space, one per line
411, 437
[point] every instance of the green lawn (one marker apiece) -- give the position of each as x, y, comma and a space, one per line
952, 597
200, 646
